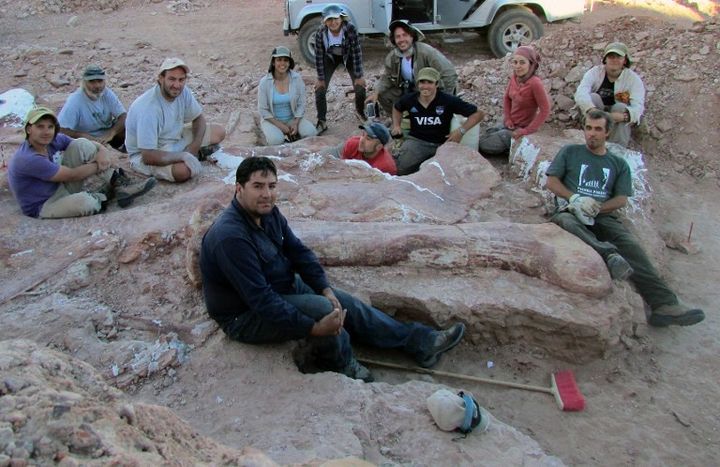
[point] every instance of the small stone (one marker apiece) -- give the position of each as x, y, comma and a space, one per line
66, 51
686, 76
664, 125
563, 102
73, 21
575, 74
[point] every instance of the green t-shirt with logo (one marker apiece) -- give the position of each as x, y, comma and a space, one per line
587, 174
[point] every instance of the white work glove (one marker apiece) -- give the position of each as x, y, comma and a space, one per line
193, 164
584, 208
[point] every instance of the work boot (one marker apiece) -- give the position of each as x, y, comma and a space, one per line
356, 371
678, 314
321, 127
127, 193
442, 341
619, 268
207, 151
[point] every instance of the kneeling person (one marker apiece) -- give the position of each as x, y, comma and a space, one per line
431, 113
263, 285
53, 176
592, 184
369, 146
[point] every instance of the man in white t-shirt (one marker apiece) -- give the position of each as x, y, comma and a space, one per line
94, 112
166, 133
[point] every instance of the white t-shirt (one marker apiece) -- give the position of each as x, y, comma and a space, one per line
406, 69
153, 122
80, 113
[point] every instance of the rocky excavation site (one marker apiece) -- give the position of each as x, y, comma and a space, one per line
108, 357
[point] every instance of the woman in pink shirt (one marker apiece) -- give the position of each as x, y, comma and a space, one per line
526, 104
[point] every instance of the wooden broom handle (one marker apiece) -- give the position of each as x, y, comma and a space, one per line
478, 379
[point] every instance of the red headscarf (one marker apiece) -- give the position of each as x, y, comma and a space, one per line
532, 56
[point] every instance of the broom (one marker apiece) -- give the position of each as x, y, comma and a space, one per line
563, 386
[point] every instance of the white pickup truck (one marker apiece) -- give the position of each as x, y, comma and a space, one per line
508, 23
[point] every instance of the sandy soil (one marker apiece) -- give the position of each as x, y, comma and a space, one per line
652, 402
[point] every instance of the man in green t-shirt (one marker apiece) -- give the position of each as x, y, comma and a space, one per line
591, 184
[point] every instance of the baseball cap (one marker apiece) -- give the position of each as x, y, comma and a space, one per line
173, 62
93, 72
377, 131
617, 48
428, 74
332, 11
36, 113
281, 51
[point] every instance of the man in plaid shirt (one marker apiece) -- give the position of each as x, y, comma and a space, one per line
336, 42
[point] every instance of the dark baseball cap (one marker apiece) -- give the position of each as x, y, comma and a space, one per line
93, 72
378, 131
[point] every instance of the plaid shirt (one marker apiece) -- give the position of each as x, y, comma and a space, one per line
350, 48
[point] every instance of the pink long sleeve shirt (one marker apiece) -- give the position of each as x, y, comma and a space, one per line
526, 105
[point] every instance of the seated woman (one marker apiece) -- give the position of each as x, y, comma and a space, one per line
281, 101
526, 104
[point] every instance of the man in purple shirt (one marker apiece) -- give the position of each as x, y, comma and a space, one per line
49, 173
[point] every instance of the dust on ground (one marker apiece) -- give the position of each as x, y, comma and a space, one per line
651, 402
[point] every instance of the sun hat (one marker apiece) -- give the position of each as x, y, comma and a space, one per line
377, 130
173, 62
93, 72
457, 412
408, 27
281, 51
428, 74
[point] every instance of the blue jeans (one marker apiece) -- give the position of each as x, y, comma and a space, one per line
363, 323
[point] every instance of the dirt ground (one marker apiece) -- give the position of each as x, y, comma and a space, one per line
652, 402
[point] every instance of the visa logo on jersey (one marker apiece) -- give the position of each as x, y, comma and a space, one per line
426, 121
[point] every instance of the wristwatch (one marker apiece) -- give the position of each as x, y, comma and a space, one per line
462, 131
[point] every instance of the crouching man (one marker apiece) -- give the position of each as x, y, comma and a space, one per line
263, 285
53, 176
591, 184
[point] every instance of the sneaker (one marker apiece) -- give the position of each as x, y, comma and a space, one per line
127, 193
678, 314
321, 127
206, 151
356, 371
619, 268
442, 342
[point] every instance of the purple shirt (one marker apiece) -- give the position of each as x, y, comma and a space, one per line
29, 174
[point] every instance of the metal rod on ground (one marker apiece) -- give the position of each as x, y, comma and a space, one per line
690, 233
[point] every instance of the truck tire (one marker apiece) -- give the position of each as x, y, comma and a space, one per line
513, 28
306, 38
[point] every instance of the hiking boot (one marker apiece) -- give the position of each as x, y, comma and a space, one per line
120, 178
321, 127
127, 193
678, 314
207, 151
618, 267
356, 371
442, 342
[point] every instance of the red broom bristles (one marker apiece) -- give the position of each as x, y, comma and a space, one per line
566, 391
